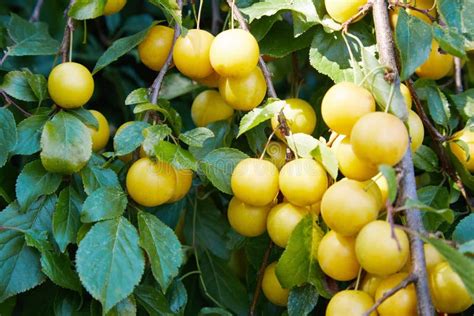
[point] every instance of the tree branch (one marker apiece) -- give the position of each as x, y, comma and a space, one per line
260, 273
407, 281
458, 74
9, 101
156, 86
36, 11
406, 170
216, 17
68, 29
362, 11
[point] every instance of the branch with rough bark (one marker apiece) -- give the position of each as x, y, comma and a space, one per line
362, 11
67, 37
405, 168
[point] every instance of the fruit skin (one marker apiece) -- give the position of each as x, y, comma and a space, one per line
234, 53
350, 165
346, 207
344, 104
184, 181
379, 138
246, 219
150, 183
437, 65
244, 93
209, 107
376, 250
382, 184
337, 258
282, 220
191, 54
154, 49
406, 95
277, 153
255, 181
303, 181
70, 85
447, 290
300, 117
114, 6
370, 283
468, 137
416, 130
101, 136
401, 303
272, 288
432, 256
420, 4
211, 81
343, 10
350, 303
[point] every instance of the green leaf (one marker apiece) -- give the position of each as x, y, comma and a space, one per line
94, 177
19, 265
304, 8
223, 134
137, 96
426, 159
302, 144
259, 28
30, 38
464, 103
214, 311
260, 115
460, 264
126, 307
466, 177
33, 182
218, 166
463, 232
104, 203
297, 265
435, 196
143, 107
302, 300
413, 40
171, 115
154, 135
29, 134
175, 85
177, 296
87, 9
8, 134
66, 144
130, 138
390, 176
446, 213
175, 155
152, 300
38, 85
438, 106
280, 41
162, 247
170, 7
467, 248
449, 40
15, 84
66, 221
119, 48
56, 266
85, 116
327, 158
222, 285
458, 15
196, 137
329, 54
110, 262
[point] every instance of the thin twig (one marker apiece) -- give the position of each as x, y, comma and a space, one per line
4, 57
9, 101
458, 74
216, 17
438, 140
426, 12
390, 212
36, 11
405, 168
405, 282
68, 29
260, 274
362, 11
156, 86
